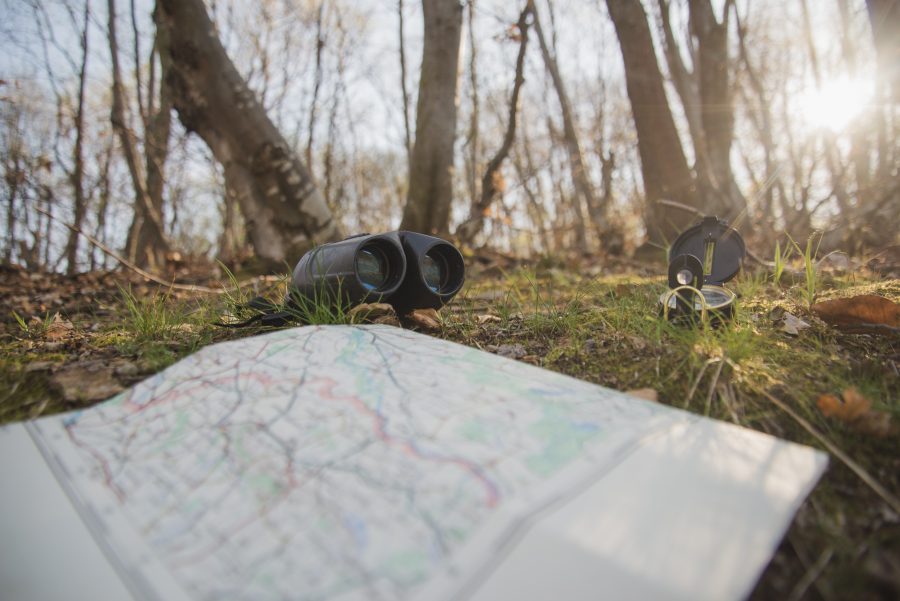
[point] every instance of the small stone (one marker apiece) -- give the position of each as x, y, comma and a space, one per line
510, 351
648, 394
86, 381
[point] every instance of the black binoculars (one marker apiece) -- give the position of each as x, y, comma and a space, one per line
406, 269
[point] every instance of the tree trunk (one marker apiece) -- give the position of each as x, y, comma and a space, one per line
77, 174
431, 167
145, 211
663, 165
149, 241
284, 211
490, 183
584, 189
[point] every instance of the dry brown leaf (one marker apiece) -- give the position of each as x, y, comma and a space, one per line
625, 290
59, 328
856, 411
859, 311
829, 405
483, 319
855, 405
648, 394
371, 313
425, 319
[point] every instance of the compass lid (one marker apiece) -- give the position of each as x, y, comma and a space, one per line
719, 247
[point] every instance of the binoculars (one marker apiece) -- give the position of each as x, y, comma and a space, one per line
406, 269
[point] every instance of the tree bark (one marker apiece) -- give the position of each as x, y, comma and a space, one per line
284, 211
431, 167
663, 165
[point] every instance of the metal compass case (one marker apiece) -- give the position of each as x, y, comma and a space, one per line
701, 260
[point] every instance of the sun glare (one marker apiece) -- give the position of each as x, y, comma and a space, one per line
836, 104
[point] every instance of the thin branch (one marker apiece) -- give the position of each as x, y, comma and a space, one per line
125, 262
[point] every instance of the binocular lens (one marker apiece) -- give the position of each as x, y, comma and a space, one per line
434, 270
372, 267
684, 277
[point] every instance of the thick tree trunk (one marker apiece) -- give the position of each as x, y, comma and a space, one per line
663, 165
431, 167
721, 195
284, 211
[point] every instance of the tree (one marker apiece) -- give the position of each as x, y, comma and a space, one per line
664, 167
146, 243
77, 174
284, 211
584, 189
490, 187
431, 165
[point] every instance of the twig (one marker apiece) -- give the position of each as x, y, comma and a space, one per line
857, 469
680, 206
129, 264
697, 381
811, 574
712, 386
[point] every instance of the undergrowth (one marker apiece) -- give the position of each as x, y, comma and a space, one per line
606, 330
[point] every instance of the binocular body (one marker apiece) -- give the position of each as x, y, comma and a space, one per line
406, 269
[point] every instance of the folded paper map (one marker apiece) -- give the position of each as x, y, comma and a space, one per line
371, 462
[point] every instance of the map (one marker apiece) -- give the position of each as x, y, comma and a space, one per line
335, 463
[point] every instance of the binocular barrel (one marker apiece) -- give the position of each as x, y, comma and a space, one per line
406, 269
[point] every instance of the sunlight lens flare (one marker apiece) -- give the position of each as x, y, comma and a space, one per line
836, 104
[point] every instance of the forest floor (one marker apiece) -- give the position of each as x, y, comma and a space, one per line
69, 342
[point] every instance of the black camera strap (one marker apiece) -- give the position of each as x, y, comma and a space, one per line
269, 315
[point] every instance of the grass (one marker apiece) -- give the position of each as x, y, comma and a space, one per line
606, 330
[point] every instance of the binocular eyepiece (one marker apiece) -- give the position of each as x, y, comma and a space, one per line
406, 269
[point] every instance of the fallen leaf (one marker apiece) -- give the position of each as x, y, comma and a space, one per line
371, 312
860, 313
625, 290
387, 320
648, 394
425, 319
483, 319
856, 411
792, 325
58, 328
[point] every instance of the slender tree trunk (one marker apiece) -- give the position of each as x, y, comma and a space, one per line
403, 90
284, 210
584, 189
77, 175
491, 182
473, 141
313, 106
431, 167
144, 209
663, 165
